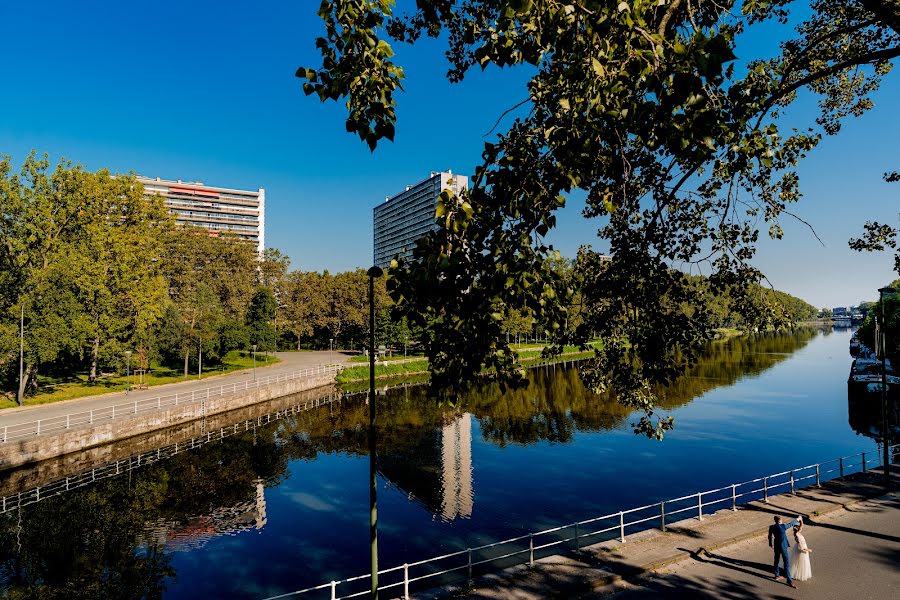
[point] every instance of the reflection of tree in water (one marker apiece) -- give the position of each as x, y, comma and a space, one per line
552, 408
556, 404
93, 542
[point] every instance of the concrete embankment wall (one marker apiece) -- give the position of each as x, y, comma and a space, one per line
40, 448
69, 465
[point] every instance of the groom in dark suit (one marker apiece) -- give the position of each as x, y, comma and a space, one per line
778, 541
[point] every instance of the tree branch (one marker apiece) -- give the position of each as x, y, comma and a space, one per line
506, 112
871, 57
667, 17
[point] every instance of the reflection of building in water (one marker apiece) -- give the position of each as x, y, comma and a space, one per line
456, 463
195, 532
436, 468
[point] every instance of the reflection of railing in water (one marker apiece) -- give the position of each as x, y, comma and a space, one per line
36, 494
129, 409
525, 548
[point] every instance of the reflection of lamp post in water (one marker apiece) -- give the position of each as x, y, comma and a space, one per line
254, 362
128, 370
373, 273
885, 442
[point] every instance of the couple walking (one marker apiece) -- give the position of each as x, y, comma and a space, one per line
778, 541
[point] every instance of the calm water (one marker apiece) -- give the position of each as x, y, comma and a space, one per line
286, 506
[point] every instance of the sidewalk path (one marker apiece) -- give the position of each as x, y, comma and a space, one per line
290, 362
852, 526
856, 555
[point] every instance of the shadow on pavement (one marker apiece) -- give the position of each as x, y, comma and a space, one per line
719, 588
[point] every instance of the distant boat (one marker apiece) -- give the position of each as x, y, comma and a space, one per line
866, 380
854, 345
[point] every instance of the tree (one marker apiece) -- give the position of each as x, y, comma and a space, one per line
41, 216
260, 318
640, 105
116, 256
305, 304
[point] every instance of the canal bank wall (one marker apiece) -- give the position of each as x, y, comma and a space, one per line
27, 477
31, 450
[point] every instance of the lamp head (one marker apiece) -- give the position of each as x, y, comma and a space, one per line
375, 272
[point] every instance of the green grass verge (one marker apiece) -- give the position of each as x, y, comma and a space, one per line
365, 359
56, 390
393, 370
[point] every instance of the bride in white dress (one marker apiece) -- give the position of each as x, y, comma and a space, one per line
800, 568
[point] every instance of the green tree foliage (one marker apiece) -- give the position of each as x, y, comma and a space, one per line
260, 320
639, 104
879, 237
78, 258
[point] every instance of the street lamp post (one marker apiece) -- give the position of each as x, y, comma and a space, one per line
373, 273
885, 443
128, 370
254, 362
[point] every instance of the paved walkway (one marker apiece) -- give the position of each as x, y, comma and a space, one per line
853, 528
290, 362
855, 555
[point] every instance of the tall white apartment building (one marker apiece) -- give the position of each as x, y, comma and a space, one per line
404, 218
217, 209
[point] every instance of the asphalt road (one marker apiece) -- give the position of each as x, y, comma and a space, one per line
290, 362
856, 556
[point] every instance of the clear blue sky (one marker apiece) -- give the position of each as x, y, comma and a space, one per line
206, 91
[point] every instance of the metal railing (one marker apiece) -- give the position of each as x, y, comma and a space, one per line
136, 407
574, 536
135, 461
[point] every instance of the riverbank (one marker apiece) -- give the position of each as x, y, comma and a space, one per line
395, 369
600, 570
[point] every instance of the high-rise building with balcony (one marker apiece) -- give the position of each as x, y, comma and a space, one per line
216, 209
402, 219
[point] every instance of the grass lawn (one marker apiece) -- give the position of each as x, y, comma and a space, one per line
395, 369
54, 390
365, 359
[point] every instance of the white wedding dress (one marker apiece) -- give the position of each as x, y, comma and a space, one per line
800, 568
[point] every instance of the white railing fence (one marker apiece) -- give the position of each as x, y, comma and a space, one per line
125, 465
136, 407
463, 565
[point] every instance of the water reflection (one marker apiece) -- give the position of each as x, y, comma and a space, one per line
865, 415
437, 471
126, 536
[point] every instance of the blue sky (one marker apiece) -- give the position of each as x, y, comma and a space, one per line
206, 91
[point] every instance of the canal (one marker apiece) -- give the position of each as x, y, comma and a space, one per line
285, 505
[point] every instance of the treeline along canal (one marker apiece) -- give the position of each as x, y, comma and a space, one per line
285, 505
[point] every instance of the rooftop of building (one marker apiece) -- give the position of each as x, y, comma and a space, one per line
418, 183
199, 185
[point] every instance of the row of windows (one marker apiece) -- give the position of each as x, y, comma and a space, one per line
223, 226
199, 201
215, 215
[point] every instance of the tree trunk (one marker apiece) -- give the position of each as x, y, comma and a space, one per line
95, 351
23, 384
186, 361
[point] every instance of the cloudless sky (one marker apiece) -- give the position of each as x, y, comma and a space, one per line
205, 91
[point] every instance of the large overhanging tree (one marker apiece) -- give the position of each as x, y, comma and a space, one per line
643, 106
